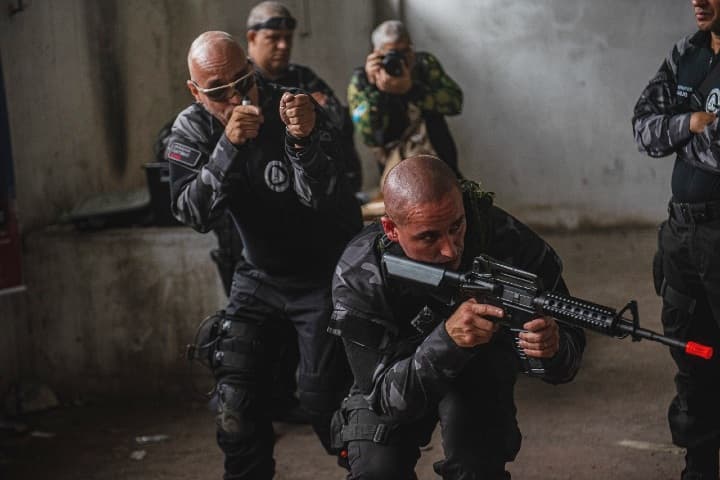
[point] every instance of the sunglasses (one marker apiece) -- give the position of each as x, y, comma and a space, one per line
223, 93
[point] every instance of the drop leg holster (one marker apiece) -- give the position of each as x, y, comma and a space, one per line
227, 344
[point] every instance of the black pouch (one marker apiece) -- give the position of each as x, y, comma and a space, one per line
206, 340
336, 427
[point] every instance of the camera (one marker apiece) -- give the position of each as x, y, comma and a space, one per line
392, 62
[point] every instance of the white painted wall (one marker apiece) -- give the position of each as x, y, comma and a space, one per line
549, 90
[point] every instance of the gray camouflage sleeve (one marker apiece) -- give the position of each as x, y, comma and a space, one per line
661, 124
403, 381
199, 184
659, 127
407, 388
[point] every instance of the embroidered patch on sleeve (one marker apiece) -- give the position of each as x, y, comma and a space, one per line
183, 154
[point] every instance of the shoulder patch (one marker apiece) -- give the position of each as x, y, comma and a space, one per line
183, 154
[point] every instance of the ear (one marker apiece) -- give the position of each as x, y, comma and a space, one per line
193, 90
389, 228
250, 35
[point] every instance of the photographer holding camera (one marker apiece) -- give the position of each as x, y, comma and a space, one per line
400, 98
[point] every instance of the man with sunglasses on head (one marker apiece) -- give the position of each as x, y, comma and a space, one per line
399, 100
270, 31
268, 159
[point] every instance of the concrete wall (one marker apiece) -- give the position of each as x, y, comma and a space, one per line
90, 83
16, 348
549, 90
112, 311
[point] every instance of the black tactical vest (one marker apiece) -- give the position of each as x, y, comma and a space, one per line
698, 78
698, 89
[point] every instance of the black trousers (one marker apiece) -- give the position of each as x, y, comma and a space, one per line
690, 254
227, 257
478, 426
264, 306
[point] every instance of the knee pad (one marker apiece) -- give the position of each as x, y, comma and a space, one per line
234, 404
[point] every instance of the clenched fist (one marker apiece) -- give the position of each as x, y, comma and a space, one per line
244, 124
297, 112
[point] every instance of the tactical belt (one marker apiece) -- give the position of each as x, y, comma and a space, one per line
694, 212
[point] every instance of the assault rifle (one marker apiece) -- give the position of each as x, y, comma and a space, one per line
522, 297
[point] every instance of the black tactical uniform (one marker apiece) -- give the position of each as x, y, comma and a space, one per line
294, 213
299, 76
408, 371
687, 267
230, 247
229, 250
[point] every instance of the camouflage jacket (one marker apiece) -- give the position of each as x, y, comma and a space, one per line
402, 358
661, 120
381, 118
281, 198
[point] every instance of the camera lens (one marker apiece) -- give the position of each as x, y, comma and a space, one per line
392, 62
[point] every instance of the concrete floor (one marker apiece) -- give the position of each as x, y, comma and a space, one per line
608, 424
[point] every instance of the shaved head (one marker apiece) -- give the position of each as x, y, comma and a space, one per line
210, 45
215, 61
418, 180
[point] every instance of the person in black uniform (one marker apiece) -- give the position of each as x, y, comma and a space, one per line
416, 360
270, 31
677, 114
268, 158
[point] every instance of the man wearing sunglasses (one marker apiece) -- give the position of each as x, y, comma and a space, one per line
270, 30
266, 158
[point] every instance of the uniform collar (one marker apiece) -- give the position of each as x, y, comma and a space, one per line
701, 39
